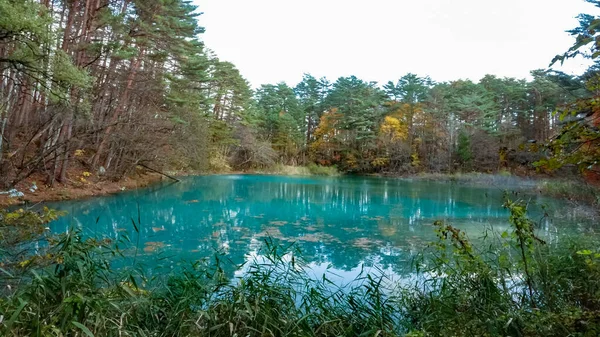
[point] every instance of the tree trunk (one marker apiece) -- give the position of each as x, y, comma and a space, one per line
121, 107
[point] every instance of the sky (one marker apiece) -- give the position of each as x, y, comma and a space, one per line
271, 41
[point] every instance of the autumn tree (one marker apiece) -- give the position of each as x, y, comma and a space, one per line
327, 147
311, 93
360, 105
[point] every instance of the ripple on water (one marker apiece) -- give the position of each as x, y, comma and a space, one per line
339, 222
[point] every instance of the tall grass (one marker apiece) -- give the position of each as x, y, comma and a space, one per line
571, 190
515, 284
309, 170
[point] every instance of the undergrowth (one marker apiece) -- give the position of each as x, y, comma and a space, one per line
309, 170
570, 190
518, 285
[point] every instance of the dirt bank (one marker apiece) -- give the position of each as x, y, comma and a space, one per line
79, 185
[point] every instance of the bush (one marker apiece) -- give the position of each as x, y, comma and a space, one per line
289, 170
319, 170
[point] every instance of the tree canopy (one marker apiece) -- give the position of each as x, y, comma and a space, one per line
105, 86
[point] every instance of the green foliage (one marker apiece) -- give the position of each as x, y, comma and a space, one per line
360, 104
67, 76
25, 23
80, 291
570, 190
133, 81
22, 226
578, 143
463, 149
519, 286
410, 89
587, 37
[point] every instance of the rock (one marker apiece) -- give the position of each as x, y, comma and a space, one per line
101, 171
15, 194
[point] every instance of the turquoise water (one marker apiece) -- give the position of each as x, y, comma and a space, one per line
340, 224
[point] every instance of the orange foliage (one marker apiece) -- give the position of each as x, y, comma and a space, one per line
323, 149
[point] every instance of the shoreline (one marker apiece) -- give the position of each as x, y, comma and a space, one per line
82, 187
76, 190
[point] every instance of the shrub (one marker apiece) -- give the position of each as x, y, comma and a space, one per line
319, 170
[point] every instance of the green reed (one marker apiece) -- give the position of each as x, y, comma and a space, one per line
511, 284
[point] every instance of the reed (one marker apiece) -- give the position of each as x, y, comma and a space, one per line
513, 284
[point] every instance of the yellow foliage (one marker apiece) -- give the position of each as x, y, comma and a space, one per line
25, 263
79, 153
380, 162
503, 154
415, 161
351, 161
393, 129
86, 174
321, 149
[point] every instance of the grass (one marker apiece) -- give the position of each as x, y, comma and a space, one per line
571, 190
319, 170
309, 170
514, 284
568, 189
502, 178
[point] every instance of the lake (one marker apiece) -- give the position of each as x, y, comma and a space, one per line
341, 225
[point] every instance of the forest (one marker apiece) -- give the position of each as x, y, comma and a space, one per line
505, 244
105, 86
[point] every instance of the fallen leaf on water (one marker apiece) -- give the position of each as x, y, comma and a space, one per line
273, 232
318, 237
152, 246
365, 243
277, 223
309, 238
192, 201
157, 229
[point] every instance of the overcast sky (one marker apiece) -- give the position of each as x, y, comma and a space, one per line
381, 40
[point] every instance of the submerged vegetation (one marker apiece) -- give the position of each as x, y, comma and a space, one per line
520, 285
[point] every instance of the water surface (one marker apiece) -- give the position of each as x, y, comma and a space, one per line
340, 224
